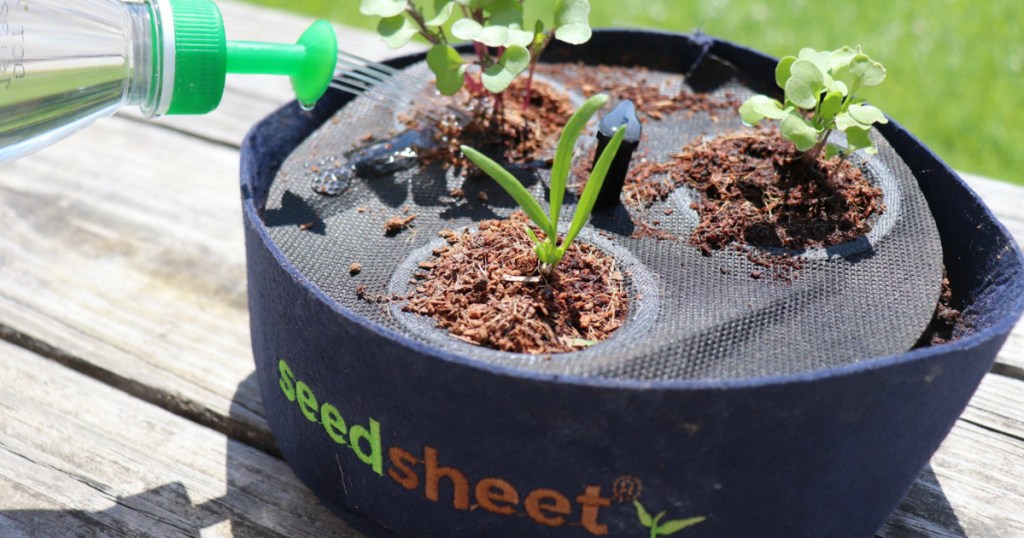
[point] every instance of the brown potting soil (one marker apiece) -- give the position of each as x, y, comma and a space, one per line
756, 189
940, 330
483, 287
514, 134
652, 99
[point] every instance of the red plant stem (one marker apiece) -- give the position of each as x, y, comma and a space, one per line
481, 52
534, 58
529, 85
474, 86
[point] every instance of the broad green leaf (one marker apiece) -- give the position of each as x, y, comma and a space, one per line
563, 154
466, 29
442, 12
493, 36
396, 31
513, 187
448, 67
676, 525
874, 74
857, 138
809, 73
645, 519
867, 114
801, 94
759, 107
805, 84
518, 36
593, 188
505, 13
798, 131
382, 8
782, 70
572, 21
470, 30
830, 106
513, 61
474, 4
834, 85
844, 121
861, 71
831, 150
841, 57
574, 34
820, 59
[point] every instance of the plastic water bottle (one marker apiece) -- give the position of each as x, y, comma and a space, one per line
66, 63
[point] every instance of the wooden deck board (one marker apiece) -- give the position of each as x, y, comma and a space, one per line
146, 229
122, 257
80, 458
972, 488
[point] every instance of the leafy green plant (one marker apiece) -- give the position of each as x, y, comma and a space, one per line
823, 84
549, 251
504, 46
663, 529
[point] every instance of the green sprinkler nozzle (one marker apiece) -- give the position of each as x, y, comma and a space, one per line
203, 57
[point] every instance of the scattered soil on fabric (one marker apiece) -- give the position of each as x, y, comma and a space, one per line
944, 320
394, 225
483, 287
515, 134
653, 100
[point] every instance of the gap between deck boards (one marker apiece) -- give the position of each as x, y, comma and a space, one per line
257, 437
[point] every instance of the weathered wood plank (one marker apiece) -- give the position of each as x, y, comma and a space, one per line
144, 225
247, 99
80, 458
973, 489
998, 405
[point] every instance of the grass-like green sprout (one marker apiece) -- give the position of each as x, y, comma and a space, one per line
549, 251
823, 83
504, 46
663, 529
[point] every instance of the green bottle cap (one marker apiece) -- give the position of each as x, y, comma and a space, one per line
203, 57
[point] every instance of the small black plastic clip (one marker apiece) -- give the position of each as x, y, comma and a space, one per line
623, 115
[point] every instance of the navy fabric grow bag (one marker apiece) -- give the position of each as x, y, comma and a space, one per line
401, 439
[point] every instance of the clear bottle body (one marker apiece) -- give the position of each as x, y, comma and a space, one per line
66, 63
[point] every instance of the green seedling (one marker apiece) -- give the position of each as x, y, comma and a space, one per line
823, 84
549, 251
504, 46
668, 527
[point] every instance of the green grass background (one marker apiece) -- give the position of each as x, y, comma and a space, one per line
955, 67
